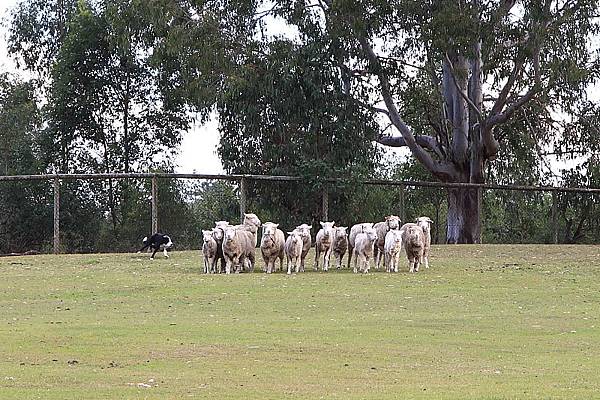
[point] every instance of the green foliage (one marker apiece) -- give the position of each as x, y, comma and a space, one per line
284, 114
25, 207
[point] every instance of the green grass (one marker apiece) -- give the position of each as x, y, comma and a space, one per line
485, 322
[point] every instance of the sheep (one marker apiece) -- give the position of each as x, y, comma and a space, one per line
413, 239
250, 224
218, 234
363, 248
304, 231
391, 222
271, 246
340, 244
293, 251
238, 248
355, 230
209, 251
425, 224
392, 249
323, 244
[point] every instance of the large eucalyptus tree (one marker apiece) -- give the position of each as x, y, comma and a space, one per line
480, 63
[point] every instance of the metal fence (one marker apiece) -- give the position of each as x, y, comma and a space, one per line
243, 180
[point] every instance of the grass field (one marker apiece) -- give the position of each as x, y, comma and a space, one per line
485, 322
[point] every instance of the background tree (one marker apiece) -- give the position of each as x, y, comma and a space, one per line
25, 211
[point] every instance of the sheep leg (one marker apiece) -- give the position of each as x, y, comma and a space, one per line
317, 255
326, 259
350, 250
251, 261
355, 261
297, 264
367, 265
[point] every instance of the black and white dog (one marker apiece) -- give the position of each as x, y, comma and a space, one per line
156, 242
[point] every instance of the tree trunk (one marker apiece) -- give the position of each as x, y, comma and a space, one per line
463, 216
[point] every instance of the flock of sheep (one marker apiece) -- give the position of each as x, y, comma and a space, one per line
234, 245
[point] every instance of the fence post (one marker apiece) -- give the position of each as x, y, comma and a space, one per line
401, 205
479, 213
56, 216
554, 217
154, 205
242, 198
325, 204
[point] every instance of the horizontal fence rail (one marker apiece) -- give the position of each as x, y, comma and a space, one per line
243, 179
284, 178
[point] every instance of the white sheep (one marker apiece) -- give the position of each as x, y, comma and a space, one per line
209, 251
323, 244
340, 244
391, 222
218, 235
413, 239
355, 230
238, 249
251, 224
425, 224
293, 251
304, 231
363, 249
271, 246
392, 250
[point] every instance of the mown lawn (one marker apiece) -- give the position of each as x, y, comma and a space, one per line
485, 322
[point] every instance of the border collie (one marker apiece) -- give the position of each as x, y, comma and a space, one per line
156, 242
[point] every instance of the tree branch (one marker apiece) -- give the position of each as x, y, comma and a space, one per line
503, 96
428, 142
442, 171
368, 106
501, 118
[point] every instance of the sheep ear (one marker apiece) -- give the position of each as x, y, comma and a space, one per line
289, 233
310, 227
276, 225
388, 217
322, 223
429, 220
332, 223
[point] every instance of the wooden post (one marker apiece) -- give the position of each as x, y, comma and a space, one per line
154, 205
56, 216
242, 199
325, 204
401, 205
555, 217
479, 213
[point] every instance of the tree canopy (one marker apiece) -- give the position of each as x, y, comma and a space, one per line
477, 91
